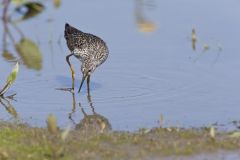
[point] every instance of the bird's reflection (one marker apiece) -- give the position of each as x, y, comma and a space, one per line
90, 122
73, 108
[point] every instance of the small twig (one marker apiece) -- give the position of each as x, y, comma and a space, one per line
5, 20
4, 89
11, 97
1, 102
5, 9
65, 89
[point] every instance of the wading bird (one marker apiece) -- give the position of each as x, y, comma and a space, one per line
91, 50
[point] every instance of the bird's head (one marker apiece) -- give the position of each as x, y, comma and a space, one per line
87, 69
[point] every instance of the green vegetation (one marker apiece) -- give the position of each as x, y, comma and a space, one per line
29, 53
11, 78
23, 142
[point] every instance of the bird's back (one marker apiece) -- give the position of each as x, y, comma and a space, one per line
85, 45
73, 37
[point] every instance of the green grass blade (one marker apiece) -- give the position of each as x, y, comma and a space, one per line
11, 78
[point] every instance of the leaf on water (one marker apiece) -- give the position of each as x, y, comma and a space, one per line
235, 135
147, 27
11, 110
29, 53
30, 9
11, 78
18, 2
52, 124
57, 3
8, 56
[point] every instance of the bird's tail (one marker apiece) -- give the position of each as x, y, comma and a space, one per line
66, 26
69, 30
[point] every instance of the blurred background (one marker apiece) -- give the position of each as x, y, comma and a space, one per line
171, 63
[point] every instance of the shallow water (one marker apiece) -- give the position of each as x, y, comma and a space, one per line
152, 69
209, 156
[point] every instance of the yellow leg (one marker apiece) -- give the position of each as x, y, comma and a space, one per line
72, 71
88, 85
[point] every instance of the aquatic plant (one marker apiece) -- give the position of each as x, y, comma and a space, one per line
11, 78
